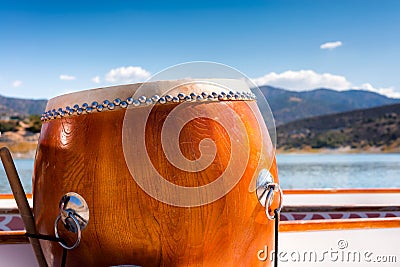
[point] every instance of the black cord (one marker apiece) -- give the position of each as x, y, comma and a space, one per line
64, 257
276, 212
53, 239
44, 237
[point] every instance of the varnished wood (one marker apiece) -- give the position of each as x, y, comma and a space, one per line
83, 154
18, 237
13, 237
9, 211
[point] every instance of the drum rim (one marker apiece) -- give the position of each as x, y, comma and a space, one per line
108, 98
126, 90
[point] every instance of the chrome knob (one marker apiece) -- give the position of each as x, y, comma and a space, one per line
263, 180
74, 214
74, 204
265, 190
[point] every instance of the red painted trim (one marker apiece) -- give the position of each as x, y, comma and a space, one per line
339, 224
11, 196
341, 191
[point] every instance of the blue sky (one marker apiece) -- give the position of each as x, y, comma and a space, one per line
52, 47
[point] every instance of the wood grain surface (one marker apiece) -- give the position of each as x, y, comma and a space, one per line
13, 237
84, 154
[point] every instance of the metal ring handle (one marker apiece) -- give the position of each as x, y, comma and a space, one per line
79, 233
270, 197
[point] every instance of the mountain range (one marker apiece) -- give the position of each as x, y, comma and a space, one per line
286, 106
289, 106
10, 106
321, 118
365, 129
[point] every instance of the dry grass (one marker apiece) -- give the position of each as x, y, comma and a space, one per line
22, 149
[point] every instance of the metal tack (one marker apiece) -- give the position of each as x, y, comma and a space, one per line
143, 100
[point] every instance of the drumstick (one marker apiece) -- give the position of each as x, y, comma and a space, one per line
22, 203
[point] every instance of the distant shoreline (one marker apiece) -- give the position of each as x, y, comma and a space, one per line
23, 145
341, 150
27, 150
23, 150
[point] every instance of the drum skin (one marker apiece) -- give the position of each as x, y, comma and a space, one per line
84, 154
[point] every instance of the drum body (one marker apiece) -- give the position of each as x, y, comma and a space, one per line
85, 154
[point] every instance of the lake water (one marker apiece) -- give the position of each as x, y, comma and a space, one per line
339, 171
25, 170
298, 171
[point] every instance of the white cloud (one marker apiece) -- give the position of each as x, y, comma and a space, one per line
96, 79
331, 45
66, 77
304, 80
387, 91
127, 74
17, 83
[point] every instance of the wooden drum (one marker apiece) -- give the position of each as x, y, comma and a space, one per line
167, 170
